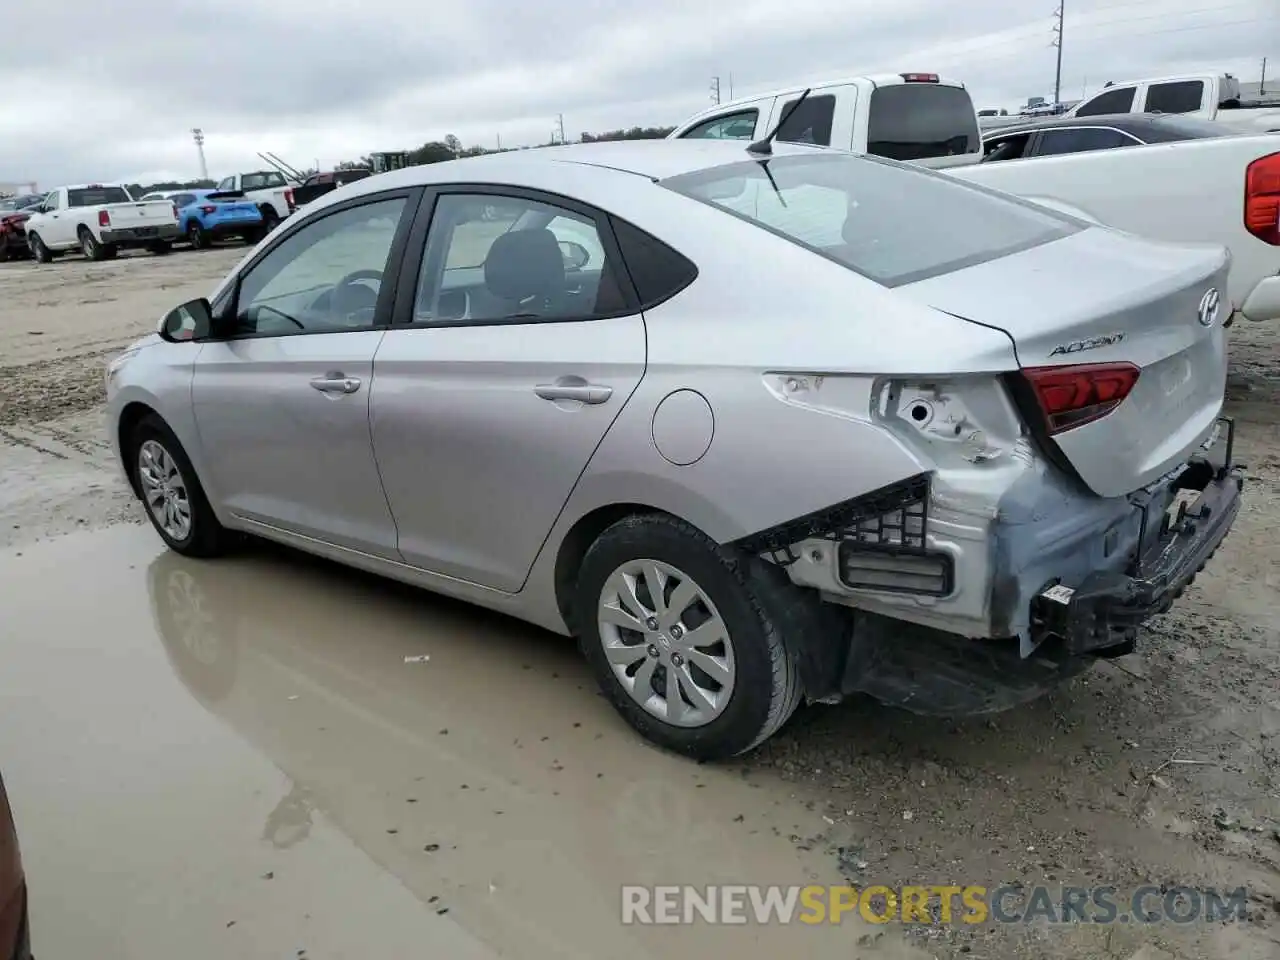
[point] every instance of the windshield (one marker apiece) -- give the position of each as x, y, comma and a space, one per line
893, 223
97, 196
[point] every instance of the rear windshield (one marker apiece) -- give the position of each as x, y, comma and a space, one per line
97, 196
893, 223
917, 121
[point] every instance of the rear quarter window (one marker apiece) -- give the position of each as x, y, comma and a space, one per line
918, 121
657, 271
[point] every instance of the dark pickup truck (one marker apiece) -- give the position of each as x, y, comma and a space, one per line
318, 184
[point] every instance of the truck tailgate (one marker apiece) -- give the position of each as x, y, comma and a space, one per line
142, 213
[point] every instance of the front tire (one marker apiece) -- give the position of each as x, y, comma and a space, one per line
687, 638
39, 252
171, 492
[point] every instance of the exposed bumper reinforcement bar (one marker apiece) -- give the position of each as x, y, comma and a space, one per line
1101, 616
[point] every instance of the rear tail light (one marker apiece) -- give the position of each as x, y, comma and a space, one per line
104, 218
208, 208
1262, 199
919, 77
1075, 395
288, 198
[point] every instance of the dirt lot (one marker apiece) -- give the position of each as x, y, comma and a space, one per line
1161, 768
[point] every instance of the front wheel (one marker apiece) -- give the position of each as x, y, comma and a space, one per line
171, 492
39, 252
686, 637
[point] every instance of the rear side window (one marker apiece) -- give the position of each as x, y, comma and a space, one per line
1184, 96
657, 271
1082, 140
1119, 100
97, 196
917, 121
810, 122
733, 126
892, 223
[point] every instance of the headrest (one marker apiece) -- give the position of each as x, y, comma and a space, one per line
523, 264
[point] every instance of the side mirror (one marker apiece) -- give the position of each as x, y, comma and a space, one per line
191, 321
576, 256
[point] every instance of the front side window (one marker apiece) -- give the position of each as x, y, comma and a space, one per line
893, 223
52, 201
1182, 96
733, 126
1119, 100
491, 259
323, 278
1082, 140
810, 122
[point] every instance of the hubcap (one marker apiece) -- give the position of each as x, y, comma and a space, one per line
666, 642
164, 490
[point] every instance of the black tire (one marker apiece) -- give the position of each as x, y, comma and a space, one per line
253, 236
160, 247
269, 218
758, 609
196, 236
6, 250
207, 537
90, 247
39, 252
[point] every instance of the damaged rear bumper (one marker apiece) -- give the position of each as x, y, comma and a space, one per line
1101, 614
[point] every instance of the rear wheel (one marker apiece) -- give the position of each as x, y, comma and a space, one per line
196, 236
687, 638
90, 246
39, 252
171, 492
269, 218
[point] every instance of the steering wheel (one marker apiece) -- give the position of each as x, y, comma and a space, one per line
352, 303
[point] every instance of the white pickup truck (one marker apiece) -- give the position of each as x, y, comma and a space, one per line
268, 189
1206, 96
1223, 190
99, 220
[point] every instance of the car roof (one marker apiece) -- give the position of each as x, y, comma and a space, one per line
651, 159
1136, 123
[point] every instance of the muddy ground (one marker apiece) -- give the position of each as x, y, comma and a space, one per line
1162, 767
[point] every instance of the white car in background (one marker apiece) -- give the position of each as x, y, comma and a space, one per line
99, 220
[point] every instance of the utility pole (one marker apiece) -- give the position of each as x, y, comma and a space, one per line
560, 127
1057, 42
499, 142
1262, 85
198, 136
715, 89
731, 86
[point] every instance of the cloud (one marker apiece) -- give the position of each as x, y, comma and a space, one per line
116, 96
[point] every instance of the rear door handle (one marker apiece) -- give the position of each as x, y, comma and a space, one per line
335, 382
574, 388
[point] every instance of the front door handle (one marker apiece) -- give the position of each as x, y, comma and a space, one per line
574, 388
335, 382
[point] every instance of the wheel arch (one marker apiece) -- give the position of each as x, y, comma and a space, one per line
133, 413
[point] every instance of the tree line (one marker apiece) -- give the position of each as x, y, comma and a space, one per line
434, 151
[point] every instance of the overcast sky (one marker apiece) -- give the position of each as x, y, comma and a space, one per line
103, 91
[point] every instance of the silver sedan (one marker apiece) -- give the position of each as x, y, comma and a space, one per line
757, 426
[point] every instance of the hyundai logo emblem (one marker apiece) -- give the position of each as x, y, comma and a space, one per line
1208, 313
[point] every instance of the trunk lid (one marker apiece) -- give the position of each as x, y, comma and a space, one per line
1104, 297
